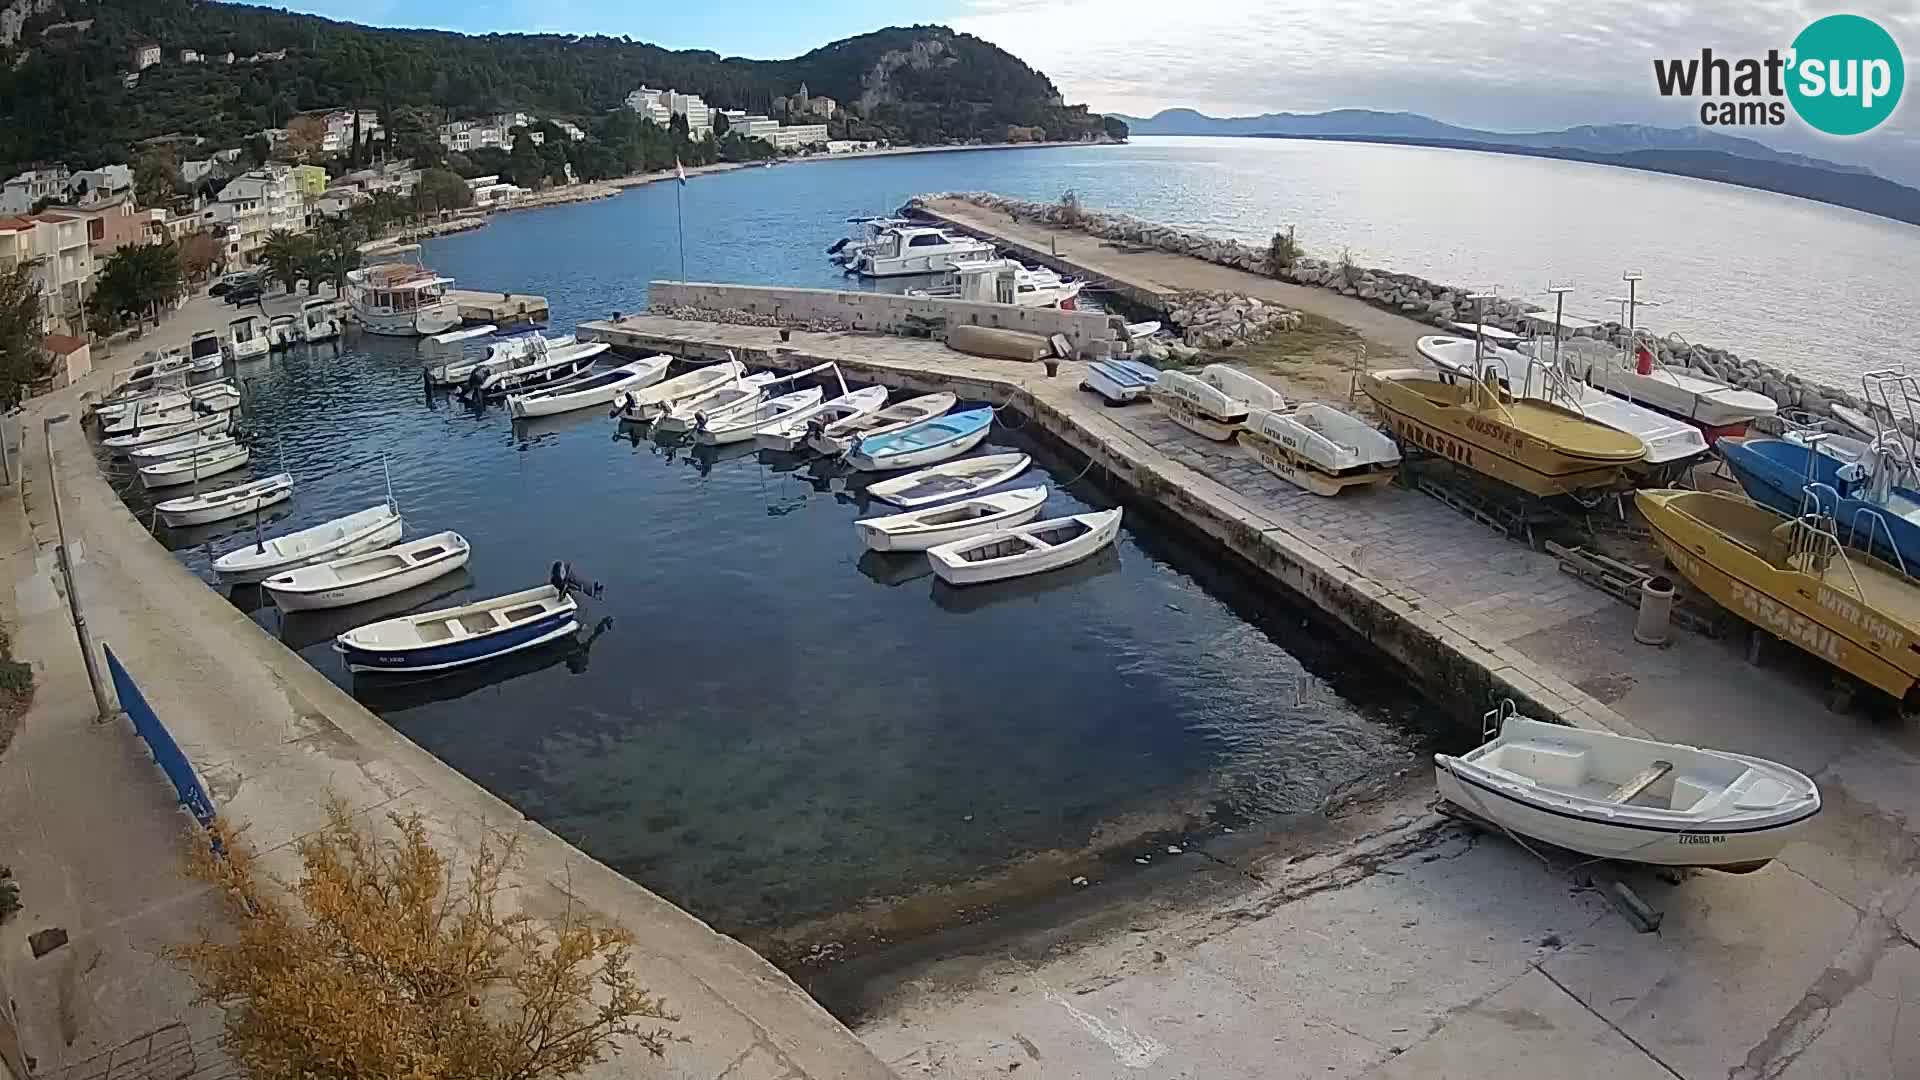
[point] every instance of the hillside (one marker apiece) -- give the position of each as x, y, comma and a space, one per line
62, 98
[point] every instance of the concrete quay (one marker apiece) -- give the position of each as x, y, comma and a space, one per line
502, 309
1388, 943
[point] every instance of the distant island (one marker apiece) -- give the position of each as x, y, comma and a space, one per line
1697, 153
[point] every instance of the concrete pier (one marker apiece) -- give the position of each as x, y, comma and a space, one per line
504, 310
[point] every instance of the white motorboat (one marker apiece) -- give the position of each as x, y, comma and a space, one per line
245, 339
149, 374
401, 300
898, 250
866, 231
1004, 281
204, 353
836, 437
744, 424
791, 433
317, 322
283, 332
112, 415
715, 404
122, 445
1120, 381
1615, 797
207, 507
951, 480
1320, 448
1722, 408
589, 390
196, 443
640, 406
1215, 402
537, 371
455, 637
361, 531
516, 351
188, 468
1666, 439
918, 530
355, 579
455, 342
1033, 548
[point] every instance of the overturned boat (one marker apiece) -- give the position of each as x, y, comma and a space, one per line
1216, 401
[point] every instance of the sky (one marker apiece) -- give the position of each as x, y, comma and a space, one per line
1510, 65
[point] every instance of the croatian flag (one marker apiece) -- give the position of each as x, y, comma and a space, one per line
679, 172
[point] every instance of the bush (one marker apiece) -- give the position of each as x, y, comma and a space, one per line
1071, 212
16, 676
1282, 252
1349, 270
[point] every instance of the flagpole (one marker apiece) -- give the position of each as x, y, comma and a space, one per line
680, 223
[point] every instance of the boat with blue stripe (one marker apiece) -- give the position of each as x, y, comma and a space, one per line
456, 637
1868, 500
928, 442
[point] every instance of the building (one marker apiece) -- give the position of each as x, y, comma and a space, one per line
339, 122
822, 106
192, 172
21, 193
309, 179
497, 194
55, 244
223, 58
96, 187
188, 56
699, 115
143, 55
72, 358
651, 104
799, 136
753, 126
463, 135
254, 204
572, 130
848, 146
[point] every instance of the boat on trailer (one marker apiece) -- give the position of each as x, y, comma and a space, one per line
928, 442
455, 637
1215, 402
950, 480
1033, 548
791, 434
1635, 800
361, 531
918, 530
836, 436
589, 390
355, 579
1320, 448
239, 500
1121, 381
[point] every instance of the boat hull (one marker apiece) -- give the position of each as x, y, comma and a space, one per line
359, 592
1121, 382
371, 539
921, 456
223, 511
554, 404
165, 475
455, 654
874, 539
1774, 472
1289, 465
948, 567
1202, 422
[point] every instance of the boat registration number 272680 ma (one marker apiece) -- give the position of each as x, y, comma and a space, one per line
1701, 838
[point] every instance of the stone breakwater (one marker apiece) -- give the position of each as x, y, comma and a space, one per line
1415, 297
736, 317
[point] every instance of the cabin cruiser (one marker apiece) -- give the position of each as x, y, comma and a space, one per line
401, 300
1004, 281
856, 243
245, 339
899, 250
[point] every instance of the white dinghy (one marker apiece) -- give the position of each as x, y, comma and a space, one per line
791, 433
836, 437
1215, 402
180, 447
1637, 800
918, 530
230, 502
642, 405
1320, 448
196, 466
1025, 549
950, 480
455, 637
356, 579
589, 390
747, 423
685, 414
122, 445
361, 531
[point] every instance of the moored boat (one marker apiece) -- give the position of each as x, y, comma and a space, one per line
207, 507
648, 403
122, 445
516, 351
1320, 448
791, 433
1215, 402
926, 443
1032, 548
1636, 800
195, 466
245, 339
556, 365
454, 637
743, 424
400, 300
835, 437
1121, 381
918, 530
713, 404
196, 443
283, 332
587, 391
361, 531
318, 324
950, 480
203, 352
356, 579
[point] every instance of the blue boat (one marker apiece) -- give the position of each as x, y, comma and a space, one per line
1779, 473
455, 637
1121, 381
925, 443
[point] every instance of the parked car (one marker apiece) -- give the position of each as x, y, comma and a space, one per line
249, 293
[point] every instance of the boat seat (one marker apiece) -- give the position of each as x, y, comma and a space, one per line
1553, 765
1689, 790
1640, 782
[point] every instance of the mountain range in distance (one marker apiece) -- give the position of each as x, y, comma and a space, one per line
1698, 153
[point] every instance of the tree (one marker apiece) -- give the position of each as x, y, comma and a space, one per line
23, 355
258, 149
720, 124
439, 190
334, 250
283, 254
199, 252
375, 964
306, 135
153, 177
135, 281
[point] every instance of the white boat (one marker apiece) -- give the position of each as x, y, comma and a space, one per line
191, 467
1033, 548
203, 352
355, 579
836, 437
401, 300
715, 404
1121, 381
791, 433
928, 442
744, 424
283, 332
1215, 402
149, 373
245, 339
535, 372
122, 445
173, 407
317, 322
589, 390
1320, 447
454, 637
230, 502
199, 442
1705, 401
1666, 439
949, 481
1636, 800
898, 250
1004, 281
361, 531
1138, 330
866, 230
519, 350
645, 404
918, 530
114, 416
454, 342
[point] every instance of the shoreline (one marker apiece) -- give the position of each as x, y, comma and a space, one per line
642, 179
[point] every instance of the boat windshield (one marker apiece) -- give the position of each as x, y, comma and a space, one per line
205, 345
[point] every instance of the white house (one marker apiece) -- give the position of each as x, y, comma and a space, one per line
256, 203
651, 104
572, 130
55, 244
143, 55
188, 56
192, 172
796, 136
21, 192
95, 187
699, 115
754, 126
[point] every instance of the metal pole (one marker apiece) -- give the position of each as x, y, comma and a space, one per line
680, 225
104, 711
6, 459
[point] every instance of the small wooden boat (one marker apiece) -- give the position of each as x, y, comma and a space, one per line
191, 467
1121, 381
791, 433
122, 445
111, 414
230, 502
949, 481
1538, 447
180, 447
835, 437
722, 401
642, 405
925, 443
1636, 800
918, 530
170, 407
1033, 548
1791, 577
589, 390
363, 530
744, 424
355, 579
553, 366
454, 637
1215, 402
1320, 448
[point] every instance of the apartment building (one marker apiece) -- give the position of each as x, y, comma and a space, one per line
254, 204
55, 244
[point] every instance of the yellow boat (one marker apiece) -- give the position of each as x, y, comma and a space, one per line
1792, 578
1536, 446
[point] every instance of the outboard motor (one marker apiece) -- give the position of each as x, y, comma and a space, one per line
562, 579
838, 244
